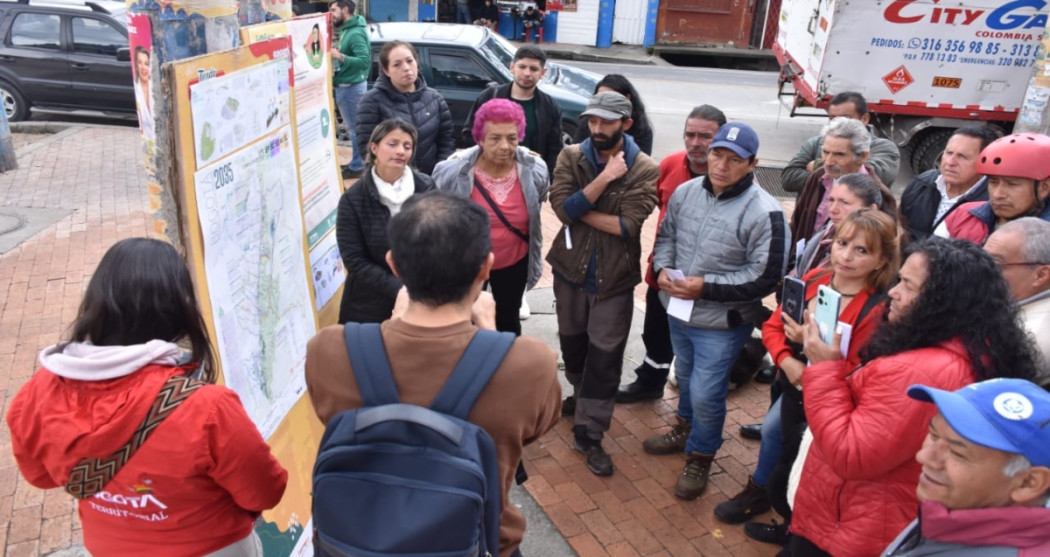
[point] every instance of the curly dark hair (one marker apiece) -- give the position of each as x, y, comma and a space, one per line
964, 297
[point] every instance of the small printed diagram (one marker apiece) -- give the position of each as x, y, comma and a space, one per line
232, 110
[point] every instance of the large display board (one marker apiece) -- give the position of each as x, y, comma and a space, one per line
314, 129
246, 237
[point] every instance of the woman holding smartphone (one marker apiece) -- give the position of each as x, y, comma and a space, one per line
950, 322
864, 260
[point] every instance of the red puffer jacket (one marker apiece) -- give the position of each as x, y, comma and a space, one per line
857, 490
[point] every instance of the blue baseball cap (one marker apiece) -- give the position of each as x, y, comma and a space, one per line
738, 138
1009, 415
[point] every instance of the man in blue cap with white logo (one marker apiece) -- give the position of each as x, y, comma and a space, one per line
985, 477
721, 248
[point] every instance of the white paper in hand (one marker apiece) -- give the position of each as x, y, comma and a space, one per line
677, 307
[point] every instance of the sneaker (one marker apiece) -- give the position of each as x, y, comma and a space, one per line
568, 406
767, 533
744, 505
693, 481
671, 442
638, 391
350, 174
524, 312
672, 382
598, 461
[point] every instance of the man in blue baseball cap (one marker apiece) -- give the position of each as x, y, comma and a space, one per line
985, 477
721, 248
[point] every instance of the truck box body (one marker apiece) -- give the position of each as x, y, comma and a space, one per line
949, 59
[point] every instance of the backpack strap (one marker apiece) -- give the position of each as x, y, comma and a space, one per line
476, 367
91, 475
375, 381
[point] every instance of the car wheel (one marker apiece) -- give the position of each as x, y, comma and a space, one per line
15, 105
568, 132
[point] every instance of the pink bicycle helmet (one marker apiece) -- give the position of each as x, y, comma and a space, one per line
1025, 155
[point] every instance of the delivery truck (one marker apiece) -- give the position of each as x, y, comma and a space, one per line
925, 67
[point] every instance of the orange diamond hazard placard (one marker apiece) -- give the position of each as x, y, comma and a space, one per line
898, 79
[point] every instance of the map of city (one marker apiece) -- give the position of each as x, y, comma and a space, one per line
252, 227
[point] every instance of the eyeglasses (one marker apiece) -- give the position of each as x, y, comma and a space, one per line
1028, 263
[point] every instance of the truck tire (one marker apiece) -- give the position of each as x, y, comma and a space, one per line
927, 148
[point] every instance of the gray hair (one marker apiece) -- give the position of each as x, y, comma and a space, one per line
1016, 465
1036, 234
853, 130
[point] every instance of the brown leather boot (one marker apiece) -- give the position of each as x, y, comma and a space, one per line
693, 481
671, 442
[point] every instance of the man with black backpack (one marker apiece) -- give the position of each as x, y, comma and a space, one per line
403, 478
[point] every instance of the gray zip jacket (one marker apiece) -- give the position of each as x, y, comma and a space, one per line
738, 242
456, 174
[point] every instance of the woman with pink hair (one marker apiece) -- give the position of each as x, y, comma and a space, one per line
509, 182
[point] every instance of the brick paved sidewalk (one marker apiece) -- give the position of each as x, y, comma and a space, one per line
96, 173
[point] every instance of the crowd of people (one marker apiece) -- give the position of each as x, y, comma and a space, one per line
908, 414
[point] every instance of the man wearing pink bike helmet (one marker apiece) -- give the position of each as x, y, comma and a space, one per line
1018, 170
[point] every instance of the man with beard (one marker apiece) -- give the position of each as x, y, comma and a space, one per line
352, 60
603, 190
542, 113
675, 169
845, 148
722, 247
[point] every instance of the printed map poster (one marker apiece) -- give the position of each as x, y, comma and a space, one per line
250, 209
315, 126
251, 223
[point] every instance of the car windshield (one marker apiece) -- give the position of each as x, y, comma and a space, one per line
581, 82
500, 53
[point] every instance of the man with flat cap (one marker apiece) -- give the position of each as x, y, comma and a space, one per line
603, 190
985, 478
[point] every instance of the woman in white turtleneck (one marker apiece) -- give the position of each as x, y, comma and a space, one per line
364, 211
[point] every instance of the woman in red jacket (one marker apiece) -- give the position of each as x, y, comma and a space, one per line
201, 476
950, 322
864, 259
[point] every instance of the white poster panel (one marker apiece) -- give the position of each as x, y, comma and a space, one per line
252, 228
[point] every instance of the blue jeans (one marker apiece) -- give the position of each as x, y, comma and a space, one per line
463, 13
772, 443
347, 97
703, 359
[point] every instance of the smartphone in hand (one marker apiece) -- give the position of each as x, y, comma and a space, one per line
827, 314
793, 300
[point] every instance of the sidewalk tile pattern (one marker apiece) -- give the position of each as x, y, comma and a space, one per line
96, 172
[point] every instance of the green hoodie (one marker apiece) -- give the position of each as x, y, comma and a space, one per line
355, 45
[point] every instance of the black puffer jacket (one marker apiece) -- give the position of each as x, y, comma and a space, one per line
920, 202
424, 108
360, 232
